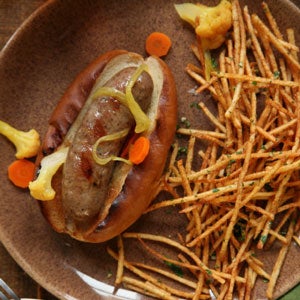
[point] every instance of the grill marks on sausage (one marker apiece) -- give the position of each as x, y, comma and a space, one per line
85, 165
80, 194
84, 158
85, 183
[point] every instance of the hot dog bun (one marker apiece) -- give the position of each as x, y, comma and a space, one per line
130, 189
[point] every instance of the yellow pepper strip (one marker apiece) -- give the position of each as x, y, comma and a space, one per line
127, 99
107, 138
110, 92
141, 119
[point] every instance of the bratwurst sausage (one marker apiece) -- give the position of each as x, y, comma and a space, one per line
85, 183
95, 202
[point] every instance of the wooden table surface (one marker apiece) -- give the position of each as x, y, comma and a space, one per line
12, 14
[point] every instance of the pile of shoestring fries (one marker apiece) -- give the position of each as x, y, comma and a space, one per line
245, 195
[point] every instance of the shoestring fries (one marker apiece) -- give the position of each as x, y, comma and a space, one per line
243, 197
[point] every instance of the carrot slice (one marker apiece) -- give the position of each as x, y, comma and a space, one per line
21, 172
158, 44
139, 150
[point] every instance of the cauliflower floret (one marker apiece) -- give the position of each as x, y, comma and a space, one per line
211, 23
27, 143
41, 188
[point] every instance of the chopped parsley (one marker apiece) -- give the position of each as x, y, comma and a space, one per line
175, 268
185, 122
209, 272
283, 232
263, 238
231, 162
276, 74
268, 187
195, 105
239, 230
182, 150
214, 63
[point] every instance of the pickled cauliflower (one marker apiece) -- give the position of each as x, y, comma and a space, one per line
41, 188
211, 23
27, 143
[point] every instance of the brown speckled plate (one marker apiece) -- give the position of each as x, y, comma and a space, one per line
36, 66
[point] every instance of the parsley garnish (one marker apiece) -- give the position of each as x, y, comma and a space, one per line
176, 269
182, 150
268, 187
185, 122
214, 63
195, 105
276, 74
263, 239
239, 230
209, 272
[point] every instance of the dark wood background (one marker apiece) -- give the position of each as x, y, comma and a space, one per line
12, 14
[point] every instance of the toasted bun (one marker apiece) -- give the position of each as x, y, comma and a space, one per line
132, 188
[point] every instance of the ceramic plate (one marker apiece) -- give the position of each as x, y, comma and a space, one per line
36, 66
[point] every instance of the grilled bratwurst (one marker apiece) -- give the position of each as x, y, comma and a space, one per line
94, 202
